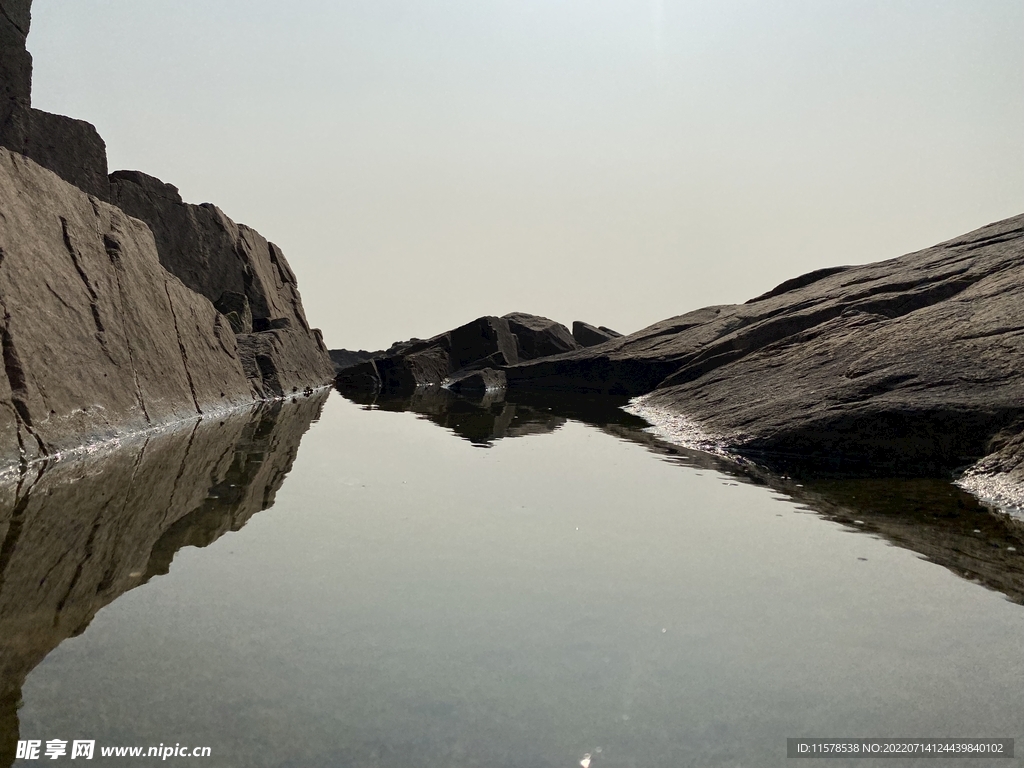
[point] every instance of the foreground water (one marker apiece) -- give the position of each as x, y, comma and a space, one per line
416, 596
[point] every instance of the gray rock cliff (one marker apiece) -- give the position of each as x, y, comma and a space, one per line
98, 338
124, 316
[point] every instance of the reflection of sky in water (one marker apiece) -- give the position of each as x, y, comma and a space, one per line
411, 600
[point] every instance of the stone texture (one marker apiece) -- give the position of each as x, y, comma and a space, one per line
587, 335
225, 261
279, 361
77, 534
15, 60
98, 339
908, 365
70, 148
235, 307
538, 336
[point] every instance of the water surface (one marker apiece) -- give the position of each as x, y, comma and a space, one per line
518, 588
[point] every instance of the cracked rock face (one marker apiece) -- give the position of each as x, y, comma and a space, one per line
908, 365
98, 338
119, 319
242, 273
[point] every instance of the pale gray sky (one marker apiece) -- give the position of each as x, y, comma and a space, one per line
423, 163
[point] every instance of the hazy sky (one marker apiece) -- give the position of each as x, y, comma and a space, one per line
423, 163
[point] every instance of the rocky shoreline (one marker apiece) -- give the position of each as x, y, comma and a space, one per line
122, 308
908, 367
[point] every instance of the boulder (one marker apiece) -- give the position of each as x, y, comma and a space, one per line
538, 336
70, 148
485, 342
587, 335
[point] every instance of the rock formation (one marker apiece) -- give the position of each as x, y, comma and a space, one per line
587, 335
908, 365
245, 277
70, 148
485, 343
121, 307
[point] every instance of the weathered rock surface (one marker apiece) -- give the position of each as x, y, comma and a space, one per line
70, 148
538, 336
105, 327
77, 534
98, 338
587, 335
236, 268
15, 60
908, 365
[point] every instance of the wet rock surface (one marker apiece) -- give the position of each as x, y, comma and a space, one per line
77, 534
476, 382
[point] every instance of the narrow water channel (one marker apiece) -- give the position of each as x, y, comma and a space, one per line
437, 583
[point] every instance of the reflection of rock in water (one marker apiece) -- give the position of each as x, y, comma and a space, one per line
930, 516
480, 421
78, 534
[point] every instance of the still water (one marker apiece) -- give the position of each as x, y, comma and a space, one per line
437, 583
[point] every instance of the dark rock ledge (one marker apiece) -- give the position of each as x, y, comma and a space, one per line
122, 308
912, 366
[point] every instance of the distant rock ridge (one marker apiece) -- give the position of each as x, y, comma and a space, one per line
121, 306
469, 356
